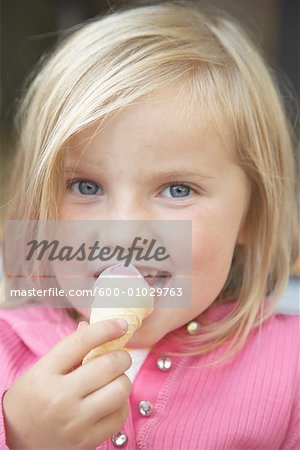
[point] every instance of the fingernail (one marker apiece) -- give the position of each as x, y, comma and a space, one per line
122, 324
80, 325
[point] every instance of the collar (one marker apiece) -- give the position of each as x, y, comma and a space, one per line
40, 327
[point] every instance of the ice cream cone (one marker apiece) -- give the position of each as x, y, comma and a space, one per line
129, 277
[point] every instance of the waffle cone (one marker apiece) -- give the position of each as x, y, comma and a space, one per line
133, 316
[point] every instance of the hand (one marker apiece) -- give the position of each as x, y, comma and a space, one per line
60, 404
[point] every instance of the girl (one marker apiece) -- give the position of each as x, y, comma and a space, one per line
160, 112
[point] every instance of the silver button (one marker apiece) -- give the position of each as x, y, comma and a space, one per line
119, 439
145, 408
193, 327
164, 363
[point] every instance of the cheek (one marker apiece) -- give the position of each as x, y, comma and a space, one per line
211, 263
69, 211
216, 229
213, 237
65, 211
213, 249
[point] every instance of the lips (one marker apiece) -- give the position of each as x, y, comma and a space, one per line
154, 277
157, 278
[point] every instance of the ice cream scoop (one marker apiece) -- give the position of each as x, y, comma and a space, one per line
129, 283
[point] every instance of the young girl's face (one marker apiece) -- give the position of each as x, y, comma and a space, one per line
131, 166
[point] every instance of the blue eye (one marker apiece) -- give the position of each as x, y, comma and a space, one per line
84, 187
178, 191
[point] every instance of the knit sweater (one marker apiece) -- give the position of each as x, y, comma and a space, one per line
251, 403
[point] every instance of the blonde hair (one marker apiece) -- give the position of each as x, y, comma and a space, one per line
112, 61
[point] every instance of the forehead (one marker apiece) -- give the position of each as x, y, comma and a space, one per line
167, 120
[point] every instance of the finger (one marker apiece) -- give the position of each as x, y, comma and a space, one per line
99, 371
107, 400
82, 324
109, 425
69, 353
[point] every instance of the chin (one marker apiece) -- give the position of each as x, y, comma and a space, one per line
144, 339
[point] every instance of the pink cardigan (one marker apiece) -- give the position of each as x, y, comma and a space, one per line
252, 403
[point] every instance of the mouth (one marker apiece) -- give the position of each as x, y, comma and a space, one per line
154, 277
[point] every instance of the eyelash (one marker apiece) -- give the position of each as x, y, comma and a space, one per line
179, 183
71, 182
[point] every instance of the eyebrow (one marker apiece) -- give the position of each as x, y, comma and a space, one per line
79, 167
183, 173
158, 173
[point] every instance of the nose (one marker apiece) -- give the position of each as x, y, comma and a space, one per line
127, 205
122, 232
126, 219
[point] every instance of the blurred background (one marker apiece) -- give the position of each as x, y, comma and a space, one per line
30, 29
